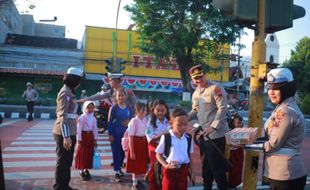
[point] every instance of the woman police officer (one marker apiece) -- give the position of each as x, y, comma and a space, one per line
285, 132
64, 130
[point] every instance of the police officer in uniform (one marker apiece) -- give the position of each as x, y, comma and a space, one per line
31, 96
285, 133
64, 130
209, 104
115, 83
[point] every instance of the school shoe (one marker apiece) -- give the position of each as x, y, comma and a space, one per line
135, 187
121, 173
140, 185
87, 174
117, 178
83, 176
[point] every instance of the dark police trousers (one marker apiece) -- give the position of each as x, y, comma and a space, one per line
214, 166
296, 184
64, 163
30, 106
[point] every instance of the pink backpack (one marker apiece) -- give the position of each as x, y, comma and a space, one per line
125, 140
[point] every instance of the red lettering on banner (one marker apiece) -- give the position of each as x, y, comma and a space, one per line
135, 60
174, 64
148, 61
162, 64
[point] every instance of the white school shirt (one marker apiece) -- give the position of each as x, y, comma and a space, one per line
137, 127
178, 150
86, 122
162, 127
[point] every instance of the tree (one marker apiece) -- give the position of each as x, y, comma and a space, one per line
299, 64
305, 105
181, 29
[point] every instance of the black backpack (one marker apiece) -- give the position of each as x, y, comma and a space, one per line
158, 166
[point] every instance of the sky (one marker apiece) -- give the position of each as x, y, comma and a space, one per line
75, 14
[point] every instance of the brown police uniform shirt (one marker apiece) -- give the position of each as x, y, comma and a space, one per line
285, 129
210, 106
65, 124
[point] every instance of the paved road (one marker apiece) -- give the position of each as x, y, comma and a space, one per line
29, 159
28, 151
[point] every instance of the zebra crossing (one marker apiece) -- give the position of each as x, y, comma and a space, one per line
32, 155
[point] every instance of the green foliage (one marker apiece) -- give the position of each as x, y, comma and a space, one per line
305, 105
182, 29
299, 64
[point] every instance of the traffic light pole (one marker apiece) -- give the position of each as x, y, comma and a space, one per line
114, 60
256, 97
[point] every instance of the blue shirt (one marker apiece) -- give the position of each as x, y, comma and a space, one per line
118, 116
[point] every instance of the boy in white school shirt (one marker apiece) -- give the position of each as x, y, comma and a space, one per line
177, 164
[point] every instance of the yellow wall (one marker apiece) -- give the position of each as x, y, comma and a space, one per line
98, 47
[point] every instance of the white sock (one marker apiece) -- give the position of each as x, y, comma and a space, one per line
134, 181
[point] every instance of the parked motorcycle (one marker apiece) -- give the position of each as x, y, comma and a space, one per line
101, 114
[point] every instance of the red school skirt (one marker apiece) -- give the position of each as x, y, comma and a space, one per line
235, 172
139, 165
84, 155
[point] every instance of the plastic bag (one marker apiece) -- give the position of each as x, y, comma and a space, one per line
96, 160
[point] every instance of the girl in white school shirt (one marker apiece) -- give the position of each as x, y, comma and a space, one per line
137, 158
158, 125
87, 134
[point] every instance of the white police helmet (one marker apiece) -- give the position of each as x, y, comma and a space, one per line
115, 75
75, 71
279, 75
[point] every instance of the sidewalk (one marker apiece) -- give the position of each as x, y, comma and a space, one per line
19, 111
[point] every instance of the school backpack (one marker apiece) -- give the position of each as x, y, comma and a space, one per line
158, 166
125, 141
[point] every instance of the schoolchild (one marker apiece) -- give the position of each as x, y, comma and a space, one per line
150, 112
158, 125
119, 117
137, 158
87, 134
177, 164
236, 155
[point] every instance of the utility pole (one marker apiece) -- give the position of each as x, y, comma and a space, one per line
256, 96
115, 39
238, 68
222, 65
